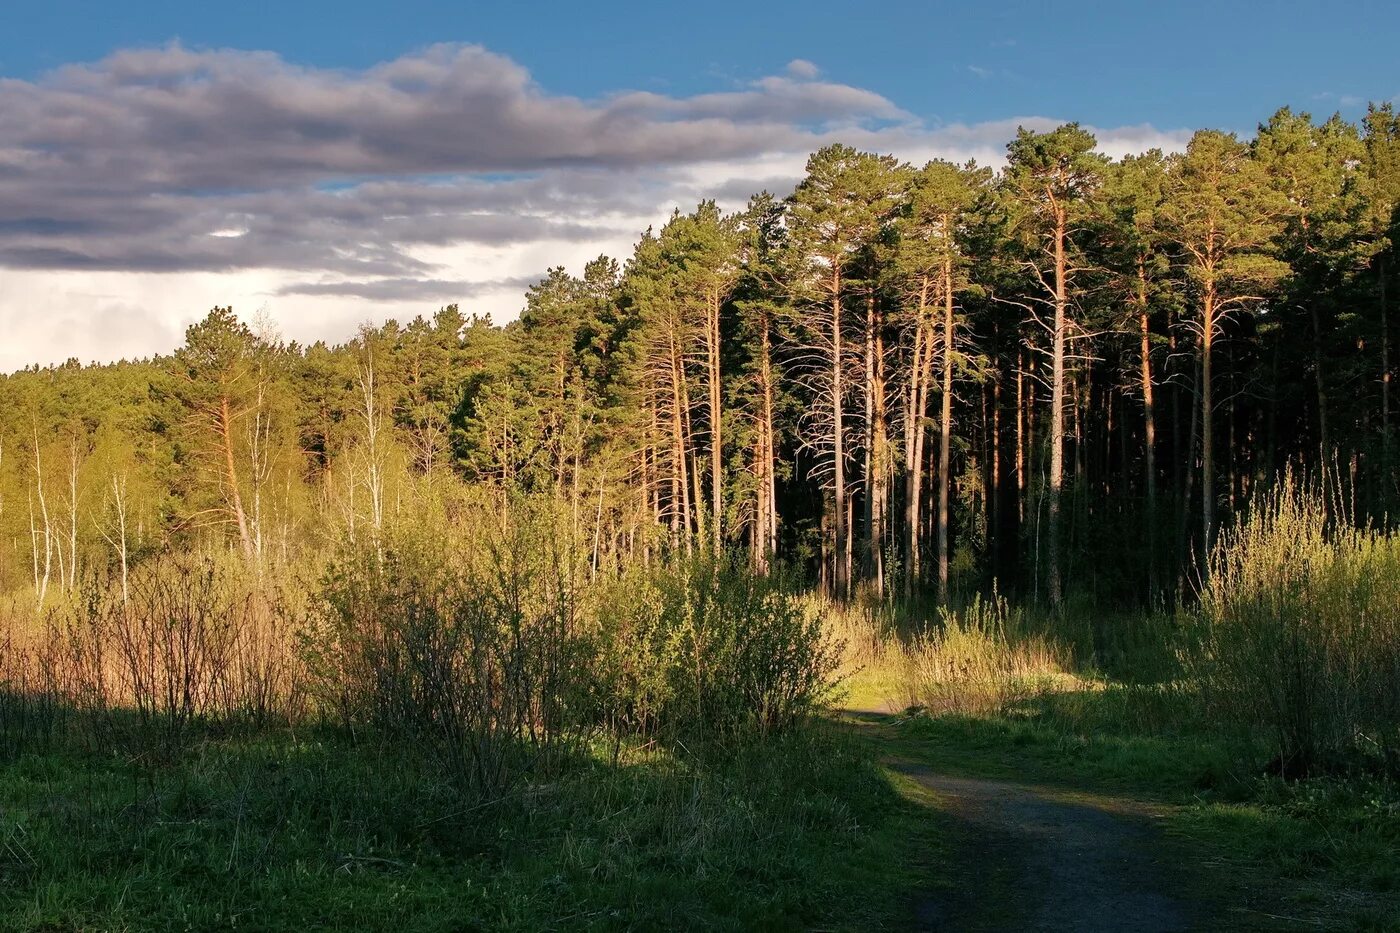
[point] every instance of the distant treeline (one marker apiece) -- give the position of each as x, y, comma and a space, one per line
1061, 377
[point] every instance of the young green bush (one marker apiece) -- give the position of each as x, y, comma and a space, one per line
1299, 636
706, 649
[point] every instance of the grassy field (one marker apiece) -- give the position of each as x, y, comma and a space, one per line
515, 751
309, 832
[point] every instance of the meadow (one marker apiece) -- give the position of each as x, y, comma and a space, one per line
493, 735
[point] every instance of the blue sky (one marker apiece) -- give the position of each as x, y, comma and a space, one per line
1173, 64
321, 164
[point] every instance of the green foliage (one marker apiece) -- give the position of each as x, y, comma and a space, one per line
703, 650
1223, 212
476, 652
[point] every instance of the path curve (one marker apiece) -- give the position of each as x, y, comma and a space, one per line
1033, 859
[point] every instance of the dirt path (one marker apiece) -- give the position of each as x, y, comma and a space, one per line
1031, 859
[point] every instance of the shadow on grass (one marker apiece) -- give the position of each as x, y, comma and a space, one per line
282, 829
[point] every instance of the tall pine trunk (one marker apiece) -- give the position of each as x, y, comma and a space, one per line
1385, 379
841, 558
1208, 312
1057, 412
945, 434
1149, 466
716, 435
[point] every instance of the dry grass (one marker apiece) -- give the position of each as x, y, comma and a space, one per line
200, 637
979, 660
1299, 639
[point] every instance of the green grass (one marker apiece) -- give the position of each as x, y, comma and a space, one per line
312, 833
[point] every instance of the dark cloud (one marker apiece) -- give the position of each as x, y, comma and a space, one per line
172, 159
440, 176
407, 289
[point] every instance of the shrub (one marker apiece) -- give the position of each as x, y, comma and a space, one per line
704, 648
1300, 632
463, 639
198, 640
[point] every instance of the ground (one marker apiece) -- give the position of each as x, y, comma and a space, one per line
1029, 858
1026, 844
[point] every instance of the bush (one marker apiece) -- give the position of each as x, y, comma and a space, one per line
469, 645
199, 640
706, 649
1300, 633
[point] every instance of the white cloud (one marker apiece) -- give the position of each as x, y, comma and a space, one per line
139, 191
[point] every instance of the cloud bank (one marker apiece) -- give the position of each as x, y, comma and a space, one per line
137, 191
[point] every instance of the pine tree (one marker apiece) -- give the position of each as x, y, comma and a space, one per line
1050, 179
1134, 191
1223, 215
836, 212
930, 263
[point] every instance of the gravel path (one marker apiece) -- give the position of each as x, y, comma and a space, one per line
1031, 859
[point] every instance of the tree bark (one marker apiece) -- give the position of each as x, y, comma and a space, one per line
225, 429
1385, 379
1208, 311
915, 425
1149, 467
841, 571
945, 434
1057, 412
1320, 383
716, 435
878, 434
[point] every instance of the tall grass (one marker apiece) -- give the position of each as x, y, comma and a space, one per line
1299, 637
977, 659
980, 660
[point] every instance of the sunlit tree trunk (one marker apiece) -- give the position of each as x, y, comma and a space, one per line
1057, 410
915, 426
1208, 324
41, 582
1149, 467
945, 434
841, 575
712, 358
223, 425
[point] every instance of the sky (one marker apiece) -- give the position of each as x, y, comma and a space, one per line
320, 164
